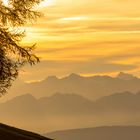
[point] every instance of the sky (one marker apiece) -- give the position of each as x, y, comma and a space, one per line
86, 37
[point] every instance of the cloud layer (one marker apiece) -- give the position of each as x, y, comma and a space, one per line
87, 37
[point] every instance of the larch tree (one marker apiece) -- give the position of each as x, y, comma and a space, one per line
12, 54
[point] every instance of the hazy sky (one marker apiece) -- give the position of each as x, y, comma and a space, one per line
86, 37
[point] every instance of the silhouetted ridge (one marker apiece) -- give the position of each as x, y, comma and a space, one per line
11, 133
73, 77
118, 96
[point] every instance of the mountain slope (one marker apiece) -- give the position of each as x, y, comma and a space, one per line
99, 133
11, 133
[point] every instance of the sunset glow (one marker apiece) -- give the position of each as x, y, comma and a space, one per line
96, 32
70, 69
46, 3
5, 2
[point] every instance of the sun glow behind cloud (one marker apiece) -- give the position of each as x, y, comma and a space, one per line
74, 18
46, 3
5, 2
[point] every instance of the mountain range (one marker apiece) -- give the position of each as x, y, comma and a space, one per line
93, 87
63, 111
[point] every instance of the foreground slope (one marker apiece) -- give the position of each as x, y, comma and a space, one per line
11, 133
99, 133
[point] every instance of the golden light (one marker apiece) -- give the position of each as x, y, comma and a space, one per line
46, 3
5, 2
42, 4
73, 18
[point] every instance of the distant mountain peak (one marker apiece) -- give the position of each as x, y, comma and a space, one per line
125, 76
74, 76
25, 97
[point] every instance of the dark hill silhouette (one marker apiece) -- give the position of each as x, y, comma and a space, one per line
90, 87
99, 133
11, 133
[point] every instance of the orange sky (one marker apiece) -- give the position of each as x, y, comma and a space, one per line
85, 37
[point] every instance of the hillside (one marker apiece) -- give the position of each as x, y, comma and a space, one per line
11, 133
99, 133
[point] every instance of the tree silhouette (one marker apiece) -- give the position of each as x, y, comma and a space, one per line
12, 54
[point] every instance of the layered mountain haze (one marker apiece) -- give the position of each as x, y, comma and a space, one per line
64, 111
73, 102
46, 113
87, 84
92, 87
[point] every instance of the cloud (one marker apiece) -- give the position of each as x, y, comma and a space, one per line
86, 37
100, 7
52, 27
